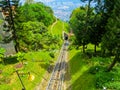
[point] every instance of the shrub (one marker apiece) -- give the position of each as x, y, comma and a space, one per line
102, 78
94, 69
113, 85
52, 54
20, 57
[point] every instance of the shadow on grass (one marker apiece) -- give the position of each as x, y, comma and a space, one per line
90, 53
44, 65
77, 62
74, 65
47, 67
83, 69
79, 72
86, 81
10, 60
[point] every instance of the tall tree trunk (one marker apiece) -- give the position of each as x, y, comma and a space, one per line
83, 48
103, 52
95, 48
112, 64
17, 48
13, 27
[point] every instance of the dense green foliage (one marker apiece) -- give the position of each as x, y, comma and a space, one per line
20, 57
37, 47
87, 72
31, 23
78, 24
111, 40
30, 35
86, 31
35, 12
102, 29
99, 26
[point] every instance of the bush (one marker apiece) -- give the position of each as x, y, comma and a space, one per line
20, 57
52, 47
111, 79
102, 78
52, 54
113, 85
70, 47
94, 69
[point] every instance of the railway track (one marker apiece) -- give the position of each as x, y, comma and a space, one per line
57, 77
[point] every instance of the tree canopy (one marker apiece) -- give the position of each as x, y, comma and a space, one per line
35, 12
98, 25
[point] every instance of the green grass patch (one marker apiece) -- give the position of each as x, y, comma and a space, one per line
89, 73
38, 56
58, 28
36, 63
80, 78
91, 47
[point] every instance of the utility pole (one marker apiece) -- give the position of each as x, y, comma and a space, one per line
20, 80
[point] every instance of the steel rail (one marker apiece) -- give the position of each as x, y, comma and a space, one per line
57, 76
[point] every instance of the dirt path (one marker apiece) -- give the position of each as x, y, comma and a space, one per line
53, 25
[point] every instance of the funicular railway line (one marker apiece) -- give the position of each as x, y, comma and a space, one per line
57, 77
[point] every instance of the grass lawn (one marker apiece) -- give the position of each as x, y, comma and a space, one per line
88, 73
36, 63
80, 78
58, 27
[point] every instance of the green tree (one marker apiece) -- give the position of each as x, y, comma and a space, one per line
31, 21
96, 30
31, 35
111, 40
82, 19
35, 12
20, 57
81, 25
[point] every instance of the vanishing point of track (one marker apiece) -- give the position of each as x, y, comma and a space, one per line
57, 77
